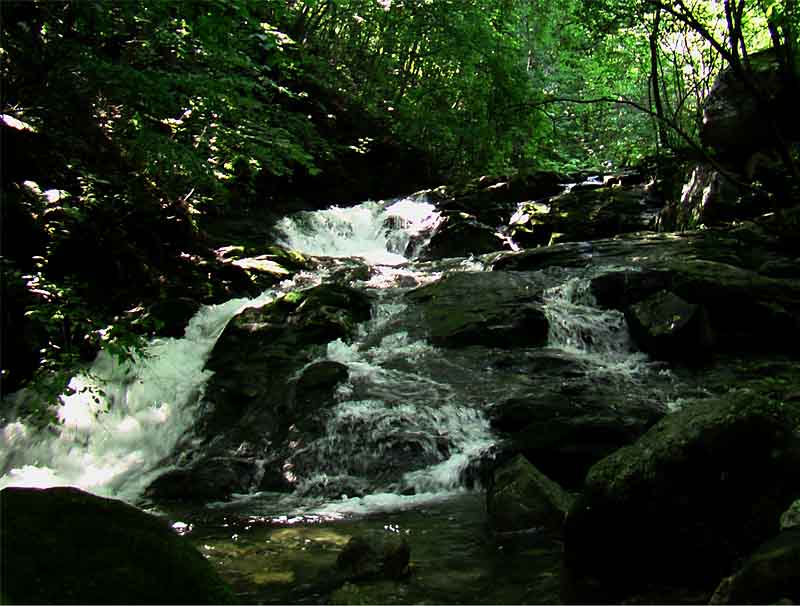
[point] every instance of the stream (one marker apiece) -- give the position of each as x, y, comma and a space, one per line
121, 422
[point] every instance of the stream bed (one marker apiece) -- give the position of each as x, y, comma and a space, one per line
401, 450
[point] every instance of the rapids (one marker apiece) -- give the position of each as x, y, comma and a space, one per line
120, 423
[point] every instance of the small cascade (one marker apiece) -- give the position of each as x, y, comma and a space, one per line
382, 233
120, 421
578, 325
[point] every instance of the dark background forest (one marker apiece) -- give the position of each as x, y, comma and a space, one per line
129, 128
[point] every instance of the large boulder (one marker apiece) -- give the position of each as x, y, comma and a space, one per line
495, 309
520, 497
65, 546
584, 213
566, 427
745, 310
701, 489
769, 576
460, 235
735, 124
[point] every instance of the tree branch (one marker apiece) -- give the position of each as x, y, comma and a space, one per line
733, 177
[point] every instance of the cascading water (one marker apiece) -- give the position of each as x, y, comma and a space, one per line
382, 233
121, 420
405, 435
404, 400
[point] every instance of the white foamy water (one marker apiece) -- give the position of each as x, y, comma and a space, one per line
121, 421
578, 326
378, 232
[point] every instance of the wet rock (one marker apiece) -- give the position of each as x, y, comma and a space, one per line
702, 488
494, 309
461, 235
571, 254
385, 555
253, 396
314, 392
769, 576
213, 479
669, 328
66, 546
565, 434
174, 314
261, 348
520, 497
591, 212
318, 382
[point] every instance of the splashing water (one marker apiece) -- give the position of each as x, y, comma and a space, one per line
121, 420
599, 336
382, 233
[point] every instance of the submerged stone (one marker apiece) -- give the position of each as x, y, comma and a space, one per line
383, 555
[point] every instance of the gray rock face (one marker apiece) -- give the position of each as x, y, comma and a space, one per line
733, 122
702, 488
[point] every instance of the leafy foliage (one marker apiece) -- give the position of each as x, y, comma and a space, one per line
145, 116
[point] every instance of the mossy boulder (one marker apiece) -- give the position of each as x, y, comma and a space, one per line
520, 497
564, 434
769, 576
702, 488
495, 309
65, 546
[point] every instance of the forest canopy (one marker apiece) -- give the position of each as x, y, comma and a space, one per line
197, 93
123, 122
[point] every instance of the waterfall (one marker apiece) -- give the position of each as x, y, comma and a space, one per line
409, 424
382, 233
120, 421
